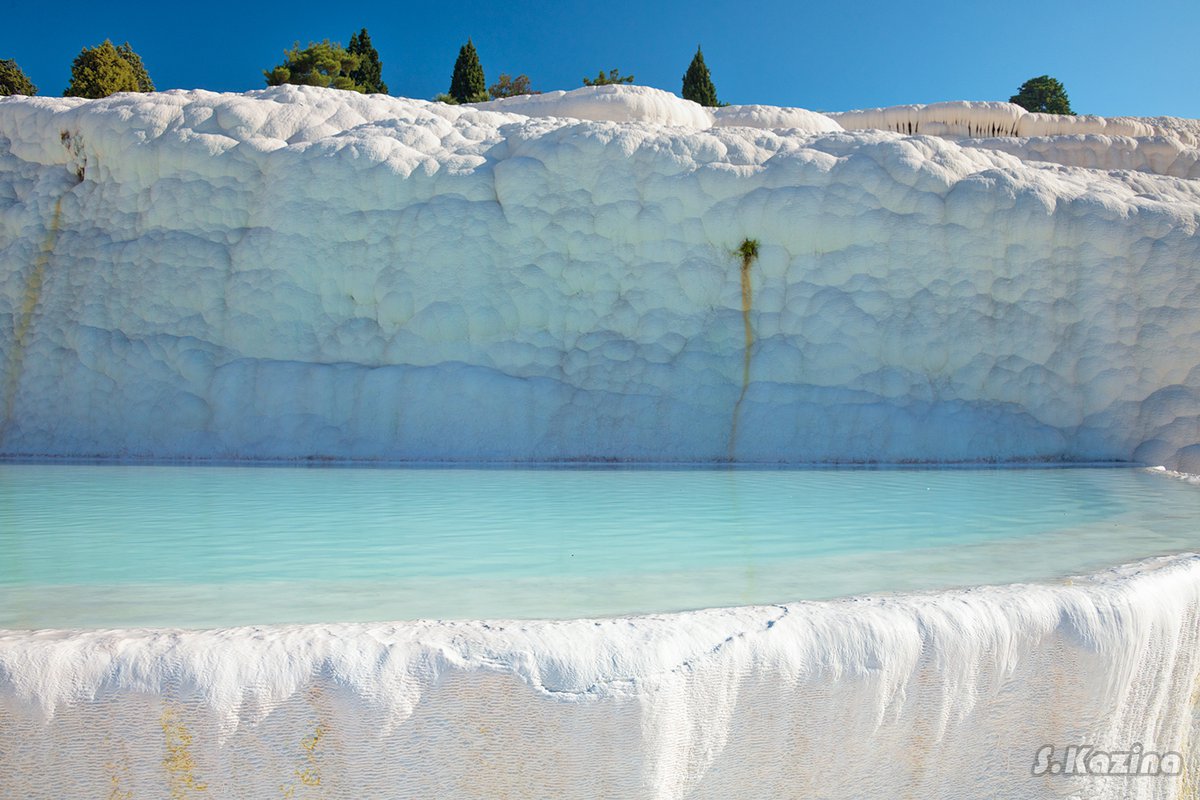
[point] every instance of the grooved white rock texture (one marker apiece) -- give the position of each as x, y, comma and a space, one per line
303, 272
940, 697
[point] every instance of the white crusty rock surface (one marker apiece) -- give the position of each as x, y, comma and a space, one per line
940, 697
303, 272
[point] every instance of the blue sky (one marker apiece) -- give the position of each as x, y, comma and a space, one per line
1114, 57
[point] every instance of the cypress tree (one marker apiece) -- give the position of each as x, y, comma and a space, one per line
467, 84
697, 83
369, 74
13, 80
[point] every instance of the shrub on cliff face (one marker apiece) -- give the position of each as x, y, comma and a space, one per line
613, 76
104, 69
13, 80
467, 84
1043, 94
320, 64
507, 86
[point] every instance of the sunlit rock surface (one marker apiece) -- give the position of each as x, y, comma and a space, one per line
940, 697
302, 272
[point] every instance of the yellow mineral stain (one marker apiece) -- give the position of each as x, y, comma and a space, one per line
1187, 784
309, 772
178, 762
310, 775
1189, 787
114, 779
23, 323
748, 251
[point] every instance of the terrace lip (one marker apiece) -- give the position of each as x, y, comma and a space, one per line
582, 463
1108, 578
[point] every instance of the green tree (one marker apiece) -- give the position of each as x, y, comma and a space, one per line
507, 86
467, 84
320, 64
13, 80
697, 83
613, 76
1044, 94
369, 73
139, 69
103, 70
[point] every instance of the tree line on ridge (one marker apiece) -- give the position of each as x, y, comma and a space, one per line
107, 69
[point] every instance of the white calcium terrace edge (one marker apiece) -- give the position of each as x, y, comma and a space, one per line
944, 695
299, 272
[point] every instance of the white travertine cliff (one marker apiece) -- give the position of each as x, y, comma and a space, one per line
304, 272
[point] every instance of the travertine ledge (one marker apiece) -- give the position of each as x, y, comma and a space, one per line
946, 695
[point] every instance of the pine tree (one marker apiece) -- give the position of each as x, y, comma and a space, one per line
467, 84
139, 69
369, 74
697, 83
100, 71
13, 80
320, 64
1043, 94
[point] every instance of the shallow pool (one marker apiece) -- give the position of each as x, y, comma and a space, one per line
107, 546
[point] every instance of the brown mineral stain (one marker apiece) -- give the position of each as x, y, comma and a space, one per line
23, 321
1189, 788
748, 251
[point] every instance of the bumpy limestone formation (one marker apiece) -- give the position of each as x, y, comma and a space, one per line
303, 272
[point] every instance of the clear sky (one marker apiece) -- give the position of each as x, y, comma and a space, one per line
1113, 57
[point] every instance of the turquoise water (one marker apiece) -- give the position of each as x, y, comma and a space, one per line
114, 546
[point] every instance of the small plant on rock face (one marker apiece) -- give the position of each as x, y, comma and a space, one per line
748, 250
